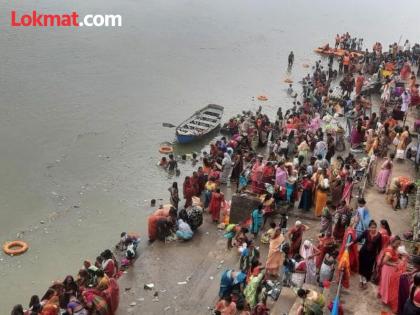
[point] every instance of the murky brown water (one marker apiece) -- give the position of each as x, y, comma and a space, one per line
81, 111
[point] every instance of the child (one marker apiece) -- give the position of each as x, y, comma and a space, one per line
163, 162
289, 268
194, 159
328, 267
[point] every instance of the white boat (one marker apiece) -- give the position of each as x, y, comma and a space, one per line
200, 124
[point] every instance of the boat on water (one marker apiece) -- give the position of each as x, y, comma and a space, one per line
200, 124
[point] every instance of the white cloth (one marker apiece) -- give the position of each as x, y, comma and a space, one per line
183, 226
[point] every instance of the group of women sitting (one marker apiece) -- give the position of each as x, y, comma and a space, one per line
95, 291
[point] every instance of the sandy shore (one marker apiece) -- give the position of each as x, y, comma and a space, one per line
200, 262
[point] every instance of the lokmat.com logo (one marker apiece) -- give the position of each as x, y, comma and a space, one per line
36, 19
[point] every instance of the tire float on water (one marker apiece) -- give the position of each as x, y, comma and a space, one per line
166, 149
15, 248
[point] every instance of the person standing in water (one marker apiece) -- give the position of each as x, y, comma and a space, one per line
174, 195
291, 59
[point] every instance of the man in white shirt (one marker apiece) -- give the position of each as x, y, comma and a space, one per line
406, 98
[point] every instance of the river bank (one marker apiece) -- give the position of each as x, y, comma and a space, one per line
81, 116
200, 262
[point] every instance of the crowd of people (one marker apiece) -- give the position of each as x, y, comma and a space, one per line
305, 171
94, 291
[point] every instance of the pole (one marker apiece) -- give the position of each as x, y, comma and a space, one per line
399, 40
335, 309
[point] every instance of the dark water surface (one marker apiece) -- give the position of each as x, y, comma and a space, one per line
81, 110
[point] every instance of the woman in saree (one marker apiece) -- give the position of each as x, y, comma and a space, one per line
371, 141
356, 136
238, 166
405, 71
216, 202
257, 218
326, 221
214, 151
403, 139
267, 235
315, 123
251, 290
303, 150
109, 264
95, 302
174, 195
308, 252
359, 81
195, 184
268, 173
414, 95
325, 244
291, 187
384, 174
347, 191
206, 166
70, 289
412, 304
321, 197
255, 140
306, 197
350, 235
215, 174
385, 139
209, 187
281, 175
256, 175
392, 268
275, 256
188, 192
153, 225
412, 81
337, 166
337, 187
75, 307
295, 235
202, 179
385, 232
341, 220
268, 206
51, 304
230, 278
321, 148
226, 306
368, 253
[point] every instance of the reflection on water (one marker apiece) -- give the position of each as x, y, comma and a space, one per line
81, 111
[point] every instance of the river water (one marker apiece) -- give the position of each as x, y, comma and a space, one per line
81, 110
